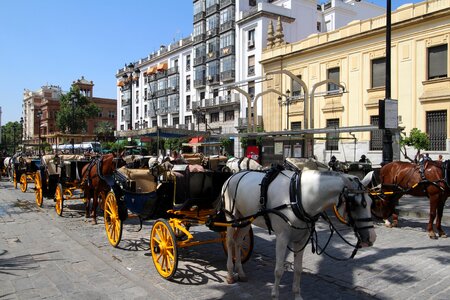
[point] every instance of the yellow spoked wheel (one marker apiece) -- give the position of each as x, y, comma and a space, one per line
23, 183
247, 246
38, 189
113, 224
164, 249
59, 198
341, 213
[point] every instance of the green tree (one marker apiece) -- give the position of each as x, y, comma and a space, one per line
104, 130
72, 118
11, 136
417, 139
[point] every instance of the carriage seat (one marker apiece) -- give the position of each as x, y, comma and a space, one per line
216, 162
305, 164
193, 158
139, 180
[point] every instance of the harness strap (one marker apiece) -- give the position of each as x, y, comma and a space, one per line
270, 175
295, 193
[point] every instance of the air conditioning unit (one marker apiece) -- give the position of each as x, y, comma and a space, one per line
209, 32
174, 88
251, 43
210, 78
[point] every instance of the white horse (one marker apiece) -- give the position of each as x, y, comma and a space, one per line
237, 164
312, 192
9, 165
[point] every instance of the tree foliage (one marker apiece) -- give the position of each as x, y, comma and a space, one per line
417, 139
75, 109
104, 130
11, 136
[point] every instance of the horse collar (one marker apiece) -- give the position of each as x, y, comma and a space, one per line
295, 193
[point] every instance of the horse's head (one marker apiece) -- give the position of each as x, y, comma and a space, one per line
357, 205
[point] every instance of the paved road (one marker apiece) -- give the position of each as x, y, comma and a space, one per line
43, 256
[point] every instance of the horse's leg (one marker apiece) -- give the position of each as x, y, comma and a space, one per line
239, 240
298, 267
280, 252
88, 200
230, 245
440, 211
94, 206
434, 200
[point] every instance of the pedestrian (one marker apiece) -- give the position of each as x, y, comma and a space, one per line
440, 158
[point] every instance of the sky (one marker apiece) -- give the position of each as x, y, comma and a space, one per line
55, 42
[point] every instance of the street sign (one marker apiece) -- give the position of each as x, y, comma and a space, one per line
388, 114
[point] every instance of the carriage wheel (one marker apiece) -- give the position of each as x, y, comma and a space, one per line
23, 182
247, 246
164, 248
113, 224
38, 189
59, 197
341, 213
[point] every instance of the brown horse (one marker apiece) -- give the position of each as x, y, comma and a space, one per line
429, 179
94, 181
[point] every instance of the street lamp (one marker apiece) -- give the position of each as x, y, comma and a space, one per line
72, 129
128, 80
39, 116
21, 130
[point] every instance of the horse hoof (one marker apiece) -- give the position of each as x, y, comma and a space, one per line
243, 278
395, 224
432, 236
443, 235
231, 279
94, 222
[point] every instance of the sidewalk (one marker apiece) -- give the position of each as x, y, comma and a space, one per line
419, 207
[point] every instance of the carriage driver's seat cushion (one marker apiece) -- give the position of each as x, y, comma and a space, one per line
144, 180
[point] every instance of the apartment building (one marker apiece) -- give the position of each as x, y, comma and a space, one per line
355, 56
223, 54
41, 107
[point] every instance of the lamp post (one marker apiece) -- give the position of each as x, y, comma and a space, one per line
72, 128
287, 103
39, 116
128, 79
21, 130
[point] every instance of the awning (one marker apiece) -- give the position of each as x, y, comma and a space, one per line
120, 83
196, 140
162, 66
151, 70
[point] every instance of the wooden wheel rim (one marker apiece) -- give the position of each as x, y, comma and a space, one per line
59, 200
23, 183
247, 246
38, 189
341, 214
113, 224
15, 179
164, 249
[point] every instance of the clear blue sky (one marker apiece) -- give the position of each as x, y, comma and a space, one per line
57, 41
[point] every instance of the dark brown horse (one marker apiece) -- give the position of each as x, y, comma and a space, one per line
94, 181
429, 179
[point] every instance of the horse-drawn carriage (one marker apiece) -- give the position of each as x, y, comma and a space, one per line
177, 197
59, 178
25, 169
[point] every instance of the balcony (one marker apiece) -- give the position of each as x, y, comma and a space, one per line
199, 60
125, 102
161, 74
173, 70
227, 75
160, 93
172, 89
174, 109
242, 122
213, 79
212, 9
226, 26
212, 56
151, 77
151, 114
162, 111
199, 16
199, 38
225, 3
212, 32
199, 83
229, 99
227, 51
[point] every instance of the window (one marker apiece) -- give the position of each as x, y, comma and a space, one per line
296, 87
188, 62
111, 114
333, 74
199, 29
100, 114
378, 72
212, 23
251, 39
214, 117
332, 142
188, 102
227, 64
226, 40
436, 126
319, 26
188, 83
188, 120
295, 126
251, 65
376, 136
165, 122
229, 115
251, 88
215, 93
252, 2
437, 62
175, 121
145, 94
154, 123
